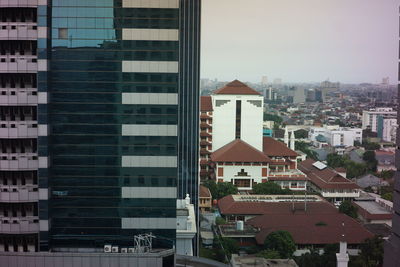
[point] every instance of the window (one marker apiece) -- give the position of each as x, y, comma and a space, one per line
63, 33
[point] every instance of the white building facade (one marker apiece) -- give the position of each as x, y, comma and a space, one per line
337, 136
238, 114
370, 117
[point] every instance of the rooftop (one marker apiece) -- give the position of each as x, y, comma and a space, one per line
254, 261
236, 87
325, 178
275, 148
239, 151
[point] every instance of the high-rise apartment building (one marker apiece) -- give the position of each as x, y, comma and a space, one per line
99, 121
19, 162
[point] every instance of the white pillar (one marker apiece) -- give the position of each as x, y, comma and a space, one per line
292, 141
286, 136
342, 257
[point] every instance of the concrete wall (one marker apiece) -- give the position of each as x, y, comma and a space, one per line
83, 259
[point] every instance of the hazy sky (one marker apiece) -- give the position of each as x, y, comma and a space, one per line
300, 40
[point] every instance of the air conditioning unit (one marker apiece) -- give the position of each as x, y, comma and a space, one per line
107, 248
131, 250
114, 249
124, 250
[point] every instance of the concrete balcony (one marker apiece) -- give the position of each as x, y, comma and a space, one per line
18, 63
18, 129
341, 194
18, 97
19, 161
19, 225
19, 3
18, 31
19, 193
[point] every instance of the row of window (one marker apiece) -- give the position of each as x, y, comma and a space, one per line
105, 171
101, 56
143, 150
116, 76
81, 123
146, 181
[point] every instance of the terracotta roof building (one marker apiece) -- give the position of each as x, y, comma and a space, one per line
311, 222
239, 151
205, 199
236, 87
328, 182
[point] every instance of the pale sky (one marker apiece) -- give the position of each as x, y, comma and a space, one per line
350, 41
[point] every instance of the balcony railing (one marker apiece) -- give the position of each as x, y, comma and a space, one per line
19, 161
19, 225
18, 63
19, 193
18, 31
18, 96
18, 129
19, 3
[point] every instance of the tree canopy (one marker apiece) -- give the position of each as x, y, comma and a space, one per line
347, 208
281, 242
269, 188
353, 169
219, 190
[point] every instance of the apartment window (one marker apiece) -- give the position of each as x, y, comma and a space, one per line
63, 33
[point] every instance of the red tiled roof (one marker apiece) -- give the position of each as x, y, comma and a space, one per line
227, 206
288, 178
206, 103
326, 178
204, 191
239, 151
236, 88
304, 227
272, 147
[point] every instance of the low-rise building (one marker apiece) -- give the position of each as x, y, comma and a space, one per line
186, 227
312, 221
205, 199
335, 136
329, 183
373, 212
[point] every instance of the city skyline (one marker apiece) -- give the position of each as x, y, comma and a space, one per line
362, 34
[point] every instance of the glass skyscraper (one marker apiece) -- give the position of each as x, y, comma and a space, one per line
118, 86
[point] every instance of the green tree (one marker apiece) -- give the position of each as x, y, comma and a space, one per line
272, 117
282, 242
301, 133
386, 174
229, 245
219, 190
212, 186
269, 188
388, 196
371, 145
220, 220
347, 208
305, 148
372, 252
354, 169
269, 254
334, 160
225, 189
369, 158
312, 259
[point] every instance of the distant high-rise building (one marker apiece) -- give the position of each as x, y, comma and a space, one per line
100, 106
385, 80
264, 80
277, 81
